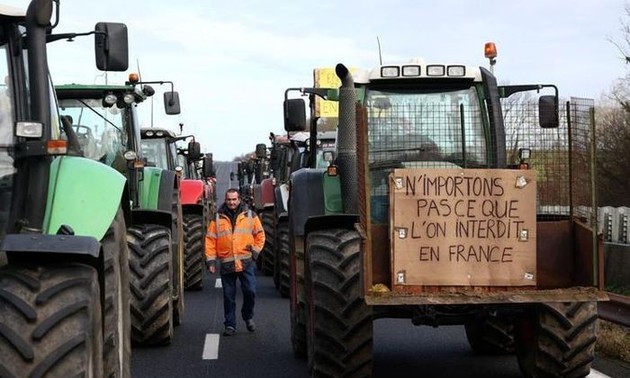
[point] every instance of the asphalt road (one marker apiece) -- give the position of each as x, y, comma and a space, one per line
401, 350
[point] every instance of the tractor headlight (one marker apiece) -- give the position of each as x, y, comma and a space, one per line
411, 71
435, 70
29, 129
129, 98
456, 71
130, 155
109, 99
390, 71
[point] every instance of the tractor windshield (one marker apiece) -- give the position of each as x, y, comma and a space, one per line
413, 126
421, 128
100, 129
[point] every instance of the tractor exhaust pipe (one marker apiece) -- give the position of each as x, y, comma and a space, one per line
347, 140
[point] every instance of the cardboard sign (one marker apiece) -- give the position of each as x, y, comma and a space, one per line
326, 77
463, 227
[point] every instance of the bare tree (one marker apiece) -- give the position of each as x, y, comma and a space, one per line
613, 133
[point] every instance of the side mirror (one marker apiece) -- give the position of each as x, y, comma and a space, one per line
111, 46
208, 165
194, 151
295, 114
261, 151
548, 117
171, 102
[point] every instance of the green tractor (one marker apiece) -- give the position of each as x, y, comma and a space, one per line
64, 275
105, 119
430, 212
159, 147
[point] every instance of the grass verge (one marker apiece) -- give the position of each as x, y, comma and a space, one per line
613, 341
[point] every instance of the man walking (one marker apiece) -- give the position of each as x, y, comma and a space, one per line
235, 238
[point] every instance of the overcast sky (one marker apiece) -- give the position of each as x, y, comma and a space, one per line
231, 61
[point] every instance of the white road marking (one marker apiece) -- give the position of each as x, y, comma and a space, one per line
596, 374
211, 347
218, 283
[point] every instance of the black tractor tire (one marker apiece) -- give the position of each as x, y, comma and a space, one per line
194, 251
151, 283
177, 239
339, 322
491, 335
557, 340
117, 318
283, 259
50, 322
268, 253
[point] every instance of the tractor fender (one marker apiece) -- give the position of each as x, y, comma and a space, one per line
258, 203
313, 193
267, 192
75, 196
43, 248
191, 192
306, 198
281, 194
156, 189
45, 244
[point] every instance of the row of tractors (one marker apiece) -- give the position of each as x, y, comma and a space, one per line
429, 203
169, 188
102, 221
264, 184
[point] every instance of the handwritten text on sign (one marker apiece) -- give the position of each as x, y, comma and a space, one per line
326, 77
454, 227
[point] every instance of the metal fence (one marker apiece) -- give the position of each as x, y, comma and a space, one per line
562, 157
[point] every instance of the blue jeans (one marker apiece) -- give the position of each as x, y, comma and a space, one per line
248, 286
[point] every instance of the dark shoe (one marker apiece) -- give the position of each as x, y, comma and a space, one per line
229, 331
251, 326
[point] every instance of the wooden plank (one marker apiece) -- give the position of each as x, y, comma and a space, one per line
463, 227
466, 296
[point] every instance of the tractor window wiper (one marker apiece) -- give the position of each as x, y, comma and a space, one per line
100, 115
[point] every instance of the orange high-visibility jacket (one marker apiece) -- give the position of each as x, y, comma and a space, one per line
233, 248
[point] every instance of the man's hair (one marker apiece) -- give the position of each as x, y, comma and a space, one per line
232, 190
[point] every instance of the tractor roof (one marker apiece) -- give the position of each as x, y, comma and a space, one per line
7, 11
83, 91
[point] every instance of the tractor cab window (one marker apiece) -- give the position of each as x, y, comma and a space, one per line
99, 129
7, 116
181, 162
325, 153
7, 140
155, 151
420, 126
